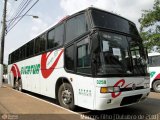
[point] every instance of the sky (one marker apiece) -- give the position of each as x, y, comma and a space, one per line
51, 11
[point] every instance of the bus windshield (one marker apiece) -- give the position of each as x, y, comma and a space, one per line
110, 21
120, 56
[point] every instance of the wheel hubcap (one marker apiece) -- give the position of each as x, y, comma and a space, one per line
66, 96
158, 87
20, 87
16, 84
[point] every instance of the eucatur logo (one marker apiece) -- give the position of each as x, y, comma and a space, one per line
30, 69
46, 72
120, 83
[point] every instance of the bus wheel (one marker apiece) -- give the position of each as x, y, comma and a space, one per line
20, 85
16, 84
156, 86
66, 96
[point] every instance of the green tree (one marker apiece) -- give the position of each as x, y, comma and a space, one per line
150, 26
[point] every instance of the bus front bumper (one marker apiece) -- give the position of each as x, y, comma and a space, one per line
106, 101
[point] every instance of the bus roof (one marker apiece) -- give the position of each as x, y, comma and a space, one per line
68, 17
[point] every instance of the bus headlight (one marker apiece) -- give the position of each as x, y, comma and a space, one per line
146, 85
109, 89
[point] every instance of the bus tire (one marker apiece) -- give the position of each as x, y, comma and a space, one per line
20, 85
156, 86
16, 84
66, 96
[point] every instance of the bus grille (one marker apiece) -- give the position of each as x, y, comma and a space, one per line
130, 89
130, 99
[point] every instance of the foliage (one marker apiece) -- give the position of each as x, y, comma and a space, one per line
150, 26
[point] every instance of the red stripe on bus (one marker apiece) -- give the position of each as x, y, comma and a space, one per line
121, 84
15, 70
157, 77
19, 75
47, 72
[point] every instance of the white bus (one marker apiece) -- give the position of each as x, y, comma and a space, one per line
154, 69
85, 60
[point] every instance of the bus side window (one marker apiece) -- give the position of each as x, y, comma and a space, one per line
37, 45
42, 43
50, 39
83, 57
23, 51
75, 27
69, 58
55, 37
12, 57
9, 61
59, 34
30, 47
16, 55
